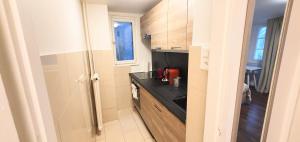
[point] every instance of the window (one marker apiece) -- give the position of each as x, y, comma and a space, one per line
260, 43
123, 32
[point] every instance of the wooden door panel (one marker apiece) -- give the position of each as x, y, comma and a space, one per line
164, 126
154, 23
190, 23
177, 24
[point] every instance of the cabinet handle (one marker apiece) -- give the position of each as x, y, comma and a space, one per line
175, 47
157, 48
157, 108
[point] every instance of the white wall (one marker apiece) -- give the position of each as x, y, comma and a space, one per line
115, 83
56, 25
98, 22
101, 33
202, 11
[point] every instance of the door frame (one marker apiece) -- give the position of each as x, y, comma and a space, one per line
28, 70
242, 71
222, 103
8, 131
274, 77
227, 30
281, 108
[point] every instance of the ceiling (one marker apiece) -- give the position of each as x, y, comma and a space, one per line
266, 9
131, 6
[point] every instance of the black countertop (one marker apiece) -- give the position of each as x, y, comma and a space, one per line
165, 94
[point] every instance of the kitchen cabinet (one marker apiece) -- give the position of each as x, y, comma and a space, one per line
164, 126
177, 24
170, 25
190, 23
154, 23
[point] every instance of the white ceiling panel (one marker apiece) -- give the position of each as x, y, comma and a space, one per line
131, 6
266, 9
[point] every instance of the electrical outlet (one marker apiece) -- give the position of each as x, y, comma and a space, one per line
204, 58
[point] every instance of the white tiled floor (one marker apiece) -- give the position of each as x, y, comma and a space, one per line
129, 128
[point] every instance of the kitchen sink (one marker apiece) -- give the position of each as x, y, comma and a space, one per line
181, 102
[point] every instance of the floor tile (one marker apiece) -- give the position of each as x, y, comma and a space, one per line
149, 140
101, 138
128, 128
113, 132
127, 122
133, 136
141, 126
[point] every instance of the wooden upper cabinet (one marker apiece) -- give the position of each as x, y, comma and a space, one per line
177, 24
170, 25
190, 24
154, 23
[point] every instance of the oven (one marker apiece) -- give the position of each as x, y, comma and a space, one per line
135, 93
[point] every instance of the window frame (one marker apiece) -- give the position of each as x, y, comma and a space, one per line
258, 38
134, 36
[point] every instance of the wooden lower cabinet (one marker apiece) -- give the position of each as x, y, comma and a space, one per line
164, 126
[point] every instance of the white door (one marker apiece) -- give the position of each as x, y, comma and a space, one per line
8, 130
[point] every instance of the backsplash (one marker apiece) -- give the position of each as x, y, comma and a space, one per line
172, 60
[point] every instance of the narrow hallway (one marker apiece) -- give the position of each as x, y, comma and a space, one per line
252, 118
128, 128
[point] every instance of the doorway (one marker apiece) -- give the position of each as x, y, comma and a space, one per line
61, 51
262, 52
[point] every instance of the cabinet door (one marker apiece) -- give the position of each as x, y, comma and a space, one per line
151, 116
158, 123
145, 24
172, 129
164, 126
154, 23
145, 109
159, 26
190, 23
177, 24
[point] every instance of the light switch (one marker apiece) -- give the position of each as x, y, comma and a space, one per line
204, 57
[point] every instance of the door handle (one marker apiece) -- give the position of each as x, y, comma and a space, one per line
157, 48
174, 48
157, 108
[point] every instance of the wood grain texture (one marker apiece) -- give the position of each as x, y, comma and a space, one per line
190, 22
170, 24
164, 126
177, 24
196, 97
252, 118
154, 23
